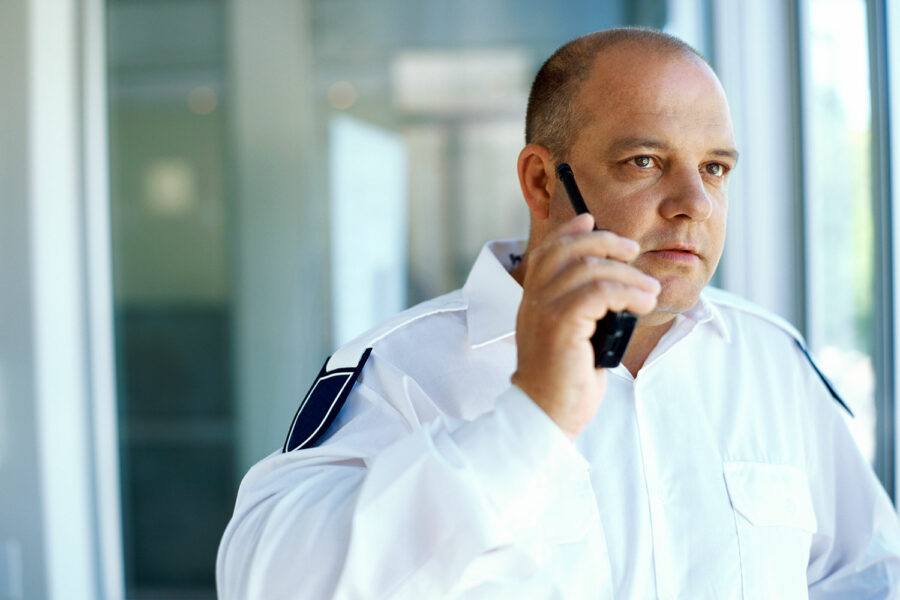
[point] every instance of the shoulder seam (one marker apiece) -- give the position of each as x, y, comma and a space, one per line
725, 298
348, 354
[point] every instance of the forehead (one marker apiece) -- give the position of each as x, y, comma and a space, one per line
633, 90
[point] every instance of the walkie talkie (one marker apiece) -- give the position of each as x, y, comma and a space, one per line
614, 330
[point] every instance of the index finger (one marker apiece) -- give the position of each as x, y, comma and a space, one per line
616, 246
571, 241
582, 223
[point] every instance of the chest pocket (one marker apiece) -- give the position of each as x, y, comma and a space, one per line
775, 520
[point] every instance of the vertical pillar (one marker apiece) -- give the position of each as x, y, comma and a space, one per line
58, 234
280, 220
763, 250
58, 294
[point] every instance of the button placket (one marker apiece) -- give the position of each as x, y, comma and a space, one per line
656, 493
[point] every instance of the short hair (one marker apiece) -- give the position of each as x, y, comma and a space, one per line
551, 118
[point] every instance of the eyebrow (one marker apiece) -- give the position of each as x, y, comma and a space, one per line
636, 143
727, 153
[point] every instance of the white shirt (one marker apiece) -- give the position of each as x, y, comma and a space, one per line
723, 470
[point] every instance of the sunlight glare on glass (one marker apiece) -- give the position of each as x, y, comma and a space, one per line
841, 230
841, 47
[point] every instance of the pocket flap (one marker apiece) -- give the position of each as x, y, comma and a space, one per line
770, 495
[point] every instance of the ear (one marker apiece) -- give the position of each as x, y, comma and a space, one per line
536, 176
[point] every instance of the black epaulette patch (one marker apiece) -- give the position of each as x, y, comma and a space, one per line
824, 379
322, 404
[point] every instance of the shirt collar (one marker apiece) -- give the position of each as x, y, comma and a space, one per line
705, 311
493, 295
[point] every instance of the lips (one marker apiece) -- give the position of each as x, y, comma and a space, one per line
676, 252
686, 248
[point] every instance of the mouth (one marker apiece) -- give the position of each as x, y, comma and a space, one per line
677, 253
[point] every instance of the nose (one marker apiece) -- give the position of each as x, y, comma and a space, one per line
686, 197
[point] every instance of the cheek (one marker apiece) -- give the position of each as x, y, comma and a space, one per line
718, 225
561, 211
626, 214
715, 239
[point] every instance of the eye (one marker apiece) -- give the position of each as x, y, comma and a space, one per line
642, 162
716, 169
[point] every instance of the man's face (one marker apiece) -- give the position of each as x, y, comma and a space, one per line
653, 164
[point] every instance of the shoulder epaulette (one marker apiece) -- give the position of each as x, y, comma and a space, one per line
722, 297
824, 379
335, 380
322, 403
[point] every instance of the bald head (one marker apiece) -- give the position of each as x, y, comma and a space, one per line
553, 118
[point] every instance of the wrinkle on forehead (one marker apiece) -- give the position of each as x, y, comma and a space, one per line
631, 89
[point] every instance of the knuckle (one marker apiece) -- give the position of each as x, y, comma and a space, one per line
549, 249
565, 243
604, 287
607, 237
538, 252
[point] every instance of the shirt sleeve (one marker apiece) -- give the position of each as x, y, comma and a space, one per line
856, 551
390, 508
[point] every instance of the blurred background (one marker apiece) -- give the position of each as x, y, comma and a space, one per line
202, 199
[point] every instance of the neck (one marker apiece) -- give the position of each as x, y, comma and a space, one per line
644, 340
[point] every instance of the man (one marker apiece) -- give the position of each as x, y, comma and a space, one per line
712, 463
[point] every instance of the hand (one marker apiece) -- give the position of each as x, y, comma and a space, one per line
571, 280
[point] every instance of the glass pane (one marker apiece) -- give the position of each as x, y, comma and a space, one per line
840, 234
171, 286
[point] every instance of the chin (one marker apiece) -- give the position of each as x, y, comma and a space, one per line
675, 300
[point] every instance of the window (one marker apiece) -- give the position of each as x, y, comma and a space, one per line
846, 215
